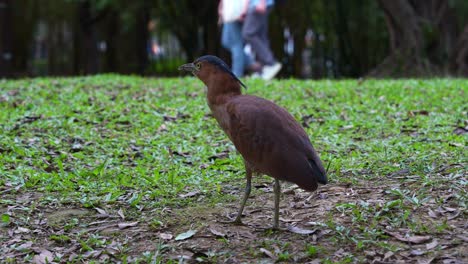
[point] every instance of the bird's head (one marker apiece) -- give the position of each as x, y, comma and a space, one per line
210, 68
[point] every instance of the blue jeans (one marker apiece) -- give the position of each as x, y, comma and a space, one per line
231, 39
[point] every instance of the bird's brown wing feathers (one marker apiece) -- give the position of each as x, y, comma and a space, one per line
272, 142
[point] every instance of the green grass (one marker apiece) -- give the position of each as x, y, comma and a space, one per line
141, 143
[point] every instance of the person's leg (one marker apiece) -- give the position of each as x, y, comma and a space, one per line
226, 36
253, 32
237, 51
232, 40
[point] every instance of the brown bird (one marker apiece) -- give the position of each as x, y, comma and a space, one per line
269, 139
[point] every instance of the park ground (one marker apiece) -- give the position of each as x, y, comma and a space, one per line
113, 168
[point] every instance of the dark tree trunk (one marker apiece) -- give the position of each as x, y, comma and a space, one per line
421, 36
91, 53
142, 37
460, 55
211, 37
6, 35
111, 41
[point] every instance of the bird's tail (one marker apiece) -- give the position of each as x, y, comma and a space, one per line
318, 170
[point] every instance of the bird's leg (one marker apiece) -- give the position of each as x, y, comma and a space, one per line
277, 190
248, 176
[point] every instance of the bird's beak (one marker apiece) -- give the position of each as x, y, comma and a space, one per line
189, 67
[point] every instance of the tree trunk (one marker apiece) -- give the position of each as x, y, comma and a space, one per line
460, 57
111, 41
6, 35
422, 33
142, 37
91, 53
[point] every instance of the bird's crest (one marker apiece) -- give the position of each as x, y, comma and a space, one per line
221, 65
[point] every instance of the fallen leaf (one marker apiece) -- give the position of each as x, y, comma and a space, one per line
339, 252
411, 239
162, 128
290, 190
190, 194
388, 255
121, 214
268, 253
101, 211
460, 131
425, 261
462, 237
450, 209
316, 224
165, 236
222, 155
185, 235
24, 246
433, 214
418, 112
217, 233
128, 224
417, 252
301, 231
44, 257
432, 245
22, 230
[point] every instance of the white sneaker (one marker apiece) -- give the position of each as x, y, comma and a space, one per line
268, 72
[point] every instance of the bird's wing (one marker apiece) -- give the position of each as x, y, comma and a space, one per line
264, 132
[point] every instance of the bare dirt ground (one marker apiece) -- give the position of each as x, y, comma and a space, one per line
338, 223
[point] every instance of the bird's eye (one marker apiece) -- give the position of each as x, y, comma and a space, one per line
198, 65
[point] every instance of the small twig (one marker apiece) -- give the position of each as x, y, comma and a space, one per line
7, 190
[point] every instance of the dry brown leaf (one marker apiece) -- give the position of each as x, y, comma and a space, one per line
217, 233
301, 231
418, 252
425, 261
339, 252
411, 239
186, 235
44, 257
432, 245
24, 246
127, 224
388, 255
22, 230
189, 194
316, 224
460, 131
101, 211
121, 214
433, 214
462, 237
165, 236
162, 128
268, 253
450, 209
418, 112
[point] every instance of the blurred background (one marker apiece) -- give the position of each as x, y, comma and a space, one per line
312, 38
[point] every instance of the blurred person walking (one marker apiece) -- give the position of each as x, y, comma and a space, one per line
231, 14
255, 33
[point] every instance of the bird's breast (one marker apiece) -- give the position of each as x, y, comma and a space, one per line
220, 114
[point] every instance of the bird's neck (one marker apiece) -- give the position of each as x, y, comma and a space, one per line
220, 92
